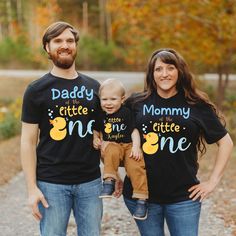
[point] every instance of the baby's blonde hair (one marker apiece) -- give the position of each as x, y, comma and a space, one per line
112, 83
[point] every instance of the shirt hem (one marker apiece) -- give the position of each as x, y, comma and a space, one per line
69, 182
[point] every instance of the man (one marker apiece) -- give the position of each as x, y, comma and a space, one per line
61, 167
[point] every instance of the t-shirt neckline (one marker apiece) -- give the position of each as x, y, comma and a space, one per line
64, 79
169, 98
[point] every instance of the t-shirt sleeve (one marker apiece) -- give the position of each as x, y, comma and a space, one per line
97, 114
132, 120
98, 121
31, 112
129, 103
212, 128
128, 113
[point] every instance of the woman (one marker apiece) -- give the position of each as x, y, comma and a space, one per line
175, 120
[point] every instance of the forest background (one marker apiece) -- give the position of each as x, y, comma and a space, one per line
120, 35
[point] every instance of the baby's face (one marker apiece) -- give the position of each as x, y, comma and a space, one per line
111, 100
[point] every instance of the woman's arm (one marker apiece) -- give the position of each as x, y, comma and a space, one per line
202, 190
136, 152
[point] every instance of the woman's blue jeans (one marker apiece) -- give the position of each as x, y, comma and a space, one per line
82, 199
182, 218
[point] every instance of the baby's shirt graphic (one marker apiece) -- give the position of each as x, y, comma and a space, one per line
117, 127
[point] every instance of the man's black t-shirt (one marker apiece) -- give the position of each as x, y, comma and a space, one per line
170, 130
117, 127
65, 111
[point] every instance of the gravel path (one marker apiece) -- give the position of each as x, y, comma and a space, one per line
16, 220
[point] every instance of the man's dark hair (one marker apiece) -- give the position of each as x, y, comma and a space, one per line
56, 29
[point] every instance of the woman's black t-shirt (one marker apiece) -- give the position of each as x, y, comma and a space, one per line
65, 111
170, 130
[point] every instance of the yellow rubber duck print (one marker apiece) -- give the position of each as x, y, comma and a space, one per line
150, 146
58, 132
108, 128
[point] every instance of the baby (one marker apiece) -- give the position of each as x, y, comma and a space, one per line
120, 145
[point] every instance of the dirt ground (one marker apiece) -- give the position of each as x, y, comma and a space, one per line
224, 196
9, 159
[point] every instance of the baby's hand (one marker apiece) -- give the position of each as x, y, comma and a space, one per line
136, 153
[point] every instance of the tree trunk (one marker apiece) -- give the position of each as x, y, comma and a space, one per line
85, 18
105, 22
19, 12
220, 92
9, 17
223, 82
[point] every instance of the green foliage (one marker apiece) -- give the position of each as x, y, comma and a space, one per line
10, 113
15, 52
229, 104
210, 90
231, 99
5, 101
9, 127
95, 54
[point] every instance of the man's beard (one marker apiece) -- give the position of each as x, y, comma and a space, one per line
63, 62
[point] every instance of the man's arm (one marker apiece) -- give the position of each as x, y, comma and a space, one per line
29, 139
96, 139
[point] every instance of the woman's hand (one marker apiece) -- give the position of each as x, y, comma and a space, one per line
202, 190
136, 153
118, 187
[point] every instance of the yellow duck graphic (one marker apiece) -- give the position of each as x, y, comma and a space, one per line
108, 128
58, 132
151, 145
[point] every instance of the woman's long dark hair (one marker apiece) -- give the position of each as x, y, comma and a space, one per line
185, 83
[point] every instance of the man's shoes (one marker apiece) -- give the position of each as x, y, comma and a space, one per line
108, 189
141, 210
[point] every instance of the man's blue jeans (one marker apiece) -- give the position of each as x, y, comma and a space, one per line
182, 218
81, 198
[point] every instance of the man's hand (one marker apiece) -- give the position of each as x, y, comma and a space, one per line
97, 143
97, 140
36, 196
